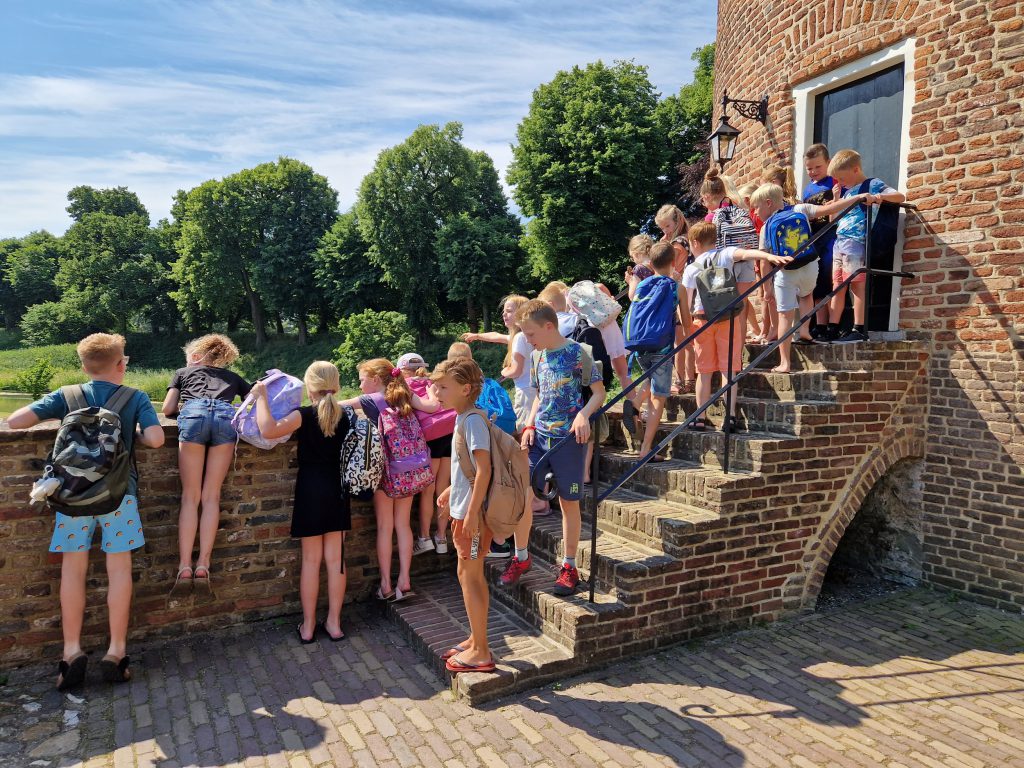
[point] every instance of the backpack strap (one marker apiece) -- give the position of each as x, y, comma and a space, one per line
465, 464
587, 360
119, 398
74, 396
535, 357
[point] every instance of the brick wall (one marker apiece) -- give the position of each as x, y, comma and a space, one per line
255, 564
965, 244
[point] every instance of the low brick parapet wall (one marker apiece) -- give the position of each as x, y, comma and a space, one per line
255, 562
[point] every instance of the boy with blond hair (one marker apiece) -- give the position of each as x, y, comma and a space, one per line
557, 412
104, 362
457, 384
848, 251
784, 234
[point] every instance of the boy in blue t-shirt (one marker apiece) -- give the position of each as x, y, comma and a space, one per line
819, 192
558, 411
104, 361
848, 251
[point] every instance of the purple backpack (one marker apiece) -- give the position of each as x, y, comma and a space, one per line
406, 457
284, 394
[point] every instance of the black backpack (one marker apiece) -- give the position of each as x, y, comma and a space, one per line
884, 230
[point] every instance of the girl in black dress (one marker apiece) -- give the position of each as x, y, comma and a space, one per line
321, 511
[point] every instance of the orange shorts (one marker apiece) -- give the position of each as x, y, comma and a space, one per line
464, 545
713, 346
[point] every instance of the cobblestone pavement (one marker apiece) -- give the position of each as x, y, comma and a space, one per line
914, 679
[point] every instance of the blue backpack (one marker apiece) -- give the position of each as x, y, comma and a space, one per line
650, 322
785, 233
496, 402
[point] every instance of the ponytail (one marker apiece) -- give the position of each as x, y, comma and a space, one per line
322, 377
396, 391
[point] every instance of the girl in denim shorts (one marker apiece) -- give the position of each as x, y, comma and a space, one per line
201, 394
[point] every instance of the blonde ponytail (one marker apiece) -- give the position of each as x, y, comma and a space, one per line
322, 378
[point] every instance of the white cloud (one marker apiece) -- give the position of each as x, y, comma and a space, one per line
213, 87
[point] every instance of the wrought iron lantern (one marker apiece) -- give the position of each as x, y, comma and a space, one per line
725, 137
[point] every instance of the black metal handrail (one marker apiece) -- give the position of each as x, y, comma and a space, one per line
730, 381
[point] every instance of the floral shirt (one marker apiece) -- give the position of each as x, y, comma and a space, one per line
559, 379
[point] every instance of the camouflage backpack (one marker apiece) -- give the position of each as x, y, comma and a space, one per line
89, 457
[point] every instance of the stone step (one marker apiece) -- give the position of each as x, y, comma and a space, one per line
680, 481
774, 416
576, 624
653, 522
707, 448
435, 619
825, 357
786, 387
626, 569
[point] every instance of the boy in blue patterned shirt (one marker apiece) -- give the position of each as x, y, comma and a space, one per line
564, 367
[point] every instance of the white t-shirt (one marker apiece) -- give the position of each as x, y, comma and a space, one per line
477, 438
567, 323
723, 257
520, 346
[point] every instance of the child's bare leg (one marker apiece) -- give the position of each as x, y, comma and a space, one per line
785, 323
857, 289
703, 390
191, 459
836, 306
444, 479
571, 524
119, 601
522, 534
309, 582
337, 580
806, 304
384, 510
73, 569
426, 500
218, 462
403, 532
476, 598
653, 420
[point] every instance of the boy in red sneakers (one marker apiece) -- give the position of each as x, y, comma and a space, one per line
559, 410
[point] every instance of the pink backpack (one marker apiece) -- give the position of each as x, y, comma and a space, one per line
406, 457
440, 423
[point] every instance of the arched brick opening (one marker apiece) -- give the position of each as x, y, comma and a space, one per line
890, 457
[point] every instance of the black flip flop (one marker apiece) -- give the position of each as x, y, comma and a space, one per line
331, 637
115, 670
72, 673
304, 641
698, 425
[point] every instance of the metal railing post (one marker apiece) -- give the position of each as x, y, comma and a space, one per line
867, 265
595, 476
729, 395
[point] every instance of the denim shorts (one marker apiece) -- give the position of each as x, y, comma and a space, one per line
207, 422
661, 381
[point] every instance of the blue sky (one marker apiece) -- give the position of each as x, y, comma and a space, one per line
160, 95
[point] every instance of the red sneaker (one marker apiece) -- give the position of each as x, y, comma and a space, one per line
567, 581
514, 570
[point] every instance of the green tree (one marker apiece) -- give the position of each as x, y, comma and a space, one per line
300, 209
585, 167
413, 189
344, 275
371, 334
252, 234
478, 258
31, 269
685, 120
8, 303
118, 201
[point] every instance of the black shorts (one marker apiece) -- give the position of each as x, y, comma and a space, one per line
440, 447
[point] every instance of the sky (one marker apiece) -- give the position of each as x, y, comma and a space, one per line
161, 95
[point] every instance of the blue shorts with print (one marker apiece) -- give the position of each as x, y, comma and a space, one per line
207, 422
566, 464
121, 529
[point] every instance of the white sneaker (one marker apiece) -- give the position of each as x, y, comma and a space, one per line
423, 545
440, 545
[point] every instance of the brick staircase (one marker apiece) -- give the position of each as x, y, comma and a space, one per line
685, 549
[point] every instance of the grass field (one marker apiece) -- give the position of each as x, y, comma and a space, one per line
155, 358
